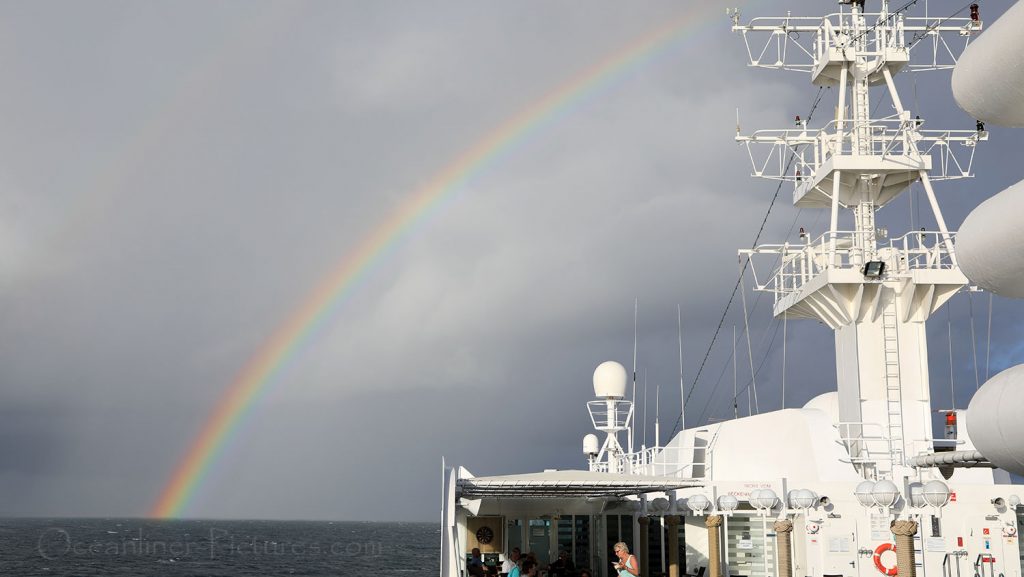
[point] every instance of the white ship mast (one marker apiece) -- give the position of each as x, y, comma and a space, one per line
875, 295
844, 483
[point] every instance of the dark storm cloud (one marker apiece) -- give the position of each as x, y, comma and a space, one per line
176, 178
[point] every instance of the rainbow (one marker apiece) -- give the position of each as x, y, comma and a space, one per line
279, 351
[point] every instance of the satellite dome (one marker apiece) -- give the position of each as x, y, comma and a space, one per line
590, 444
993, 419
610, 380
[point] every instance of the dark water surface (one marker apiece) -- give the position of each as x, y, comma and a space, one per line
81, 547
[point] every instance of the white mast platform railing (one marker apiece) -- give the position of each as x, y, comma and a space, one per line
646, 462
801, 263
801, 42
796, 154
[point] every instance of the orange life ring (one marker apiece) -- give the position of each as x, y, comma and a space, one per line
877, 558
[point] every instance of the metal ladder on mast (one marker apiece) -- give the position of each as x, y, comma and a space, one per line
893, 392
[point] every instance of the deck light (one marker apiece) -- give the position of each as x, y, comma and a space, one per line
728, 503
916, 495
885, 493
802, 499
1013, 501
763, 499
698, 503
936, 493
998, 502
863, 493
873, 269
660, 504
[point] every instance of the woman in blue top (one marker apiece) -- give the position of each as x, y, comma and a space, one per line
627, 566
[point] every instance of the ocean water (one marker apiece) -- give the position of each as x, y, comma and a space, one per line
209, 548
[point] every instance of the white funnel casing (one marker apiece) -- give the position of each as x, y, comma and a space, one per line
988, 246
988, 81
995, 419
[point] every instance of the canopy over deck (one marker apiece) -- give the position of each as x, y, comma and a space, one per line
561, 484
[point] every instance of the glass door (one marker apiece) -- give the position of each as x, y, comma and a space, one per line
540, 540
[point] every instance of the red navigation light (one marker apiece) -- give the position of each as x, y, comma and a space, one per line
951, 418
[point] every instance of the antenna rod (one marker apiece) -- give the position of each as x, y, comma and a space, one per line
952, 384
632, 430
644, 445
657, 412
682, 387
735, 406
785, 322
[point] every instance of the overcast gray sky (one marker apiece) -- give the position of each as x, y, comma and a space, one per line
175, 178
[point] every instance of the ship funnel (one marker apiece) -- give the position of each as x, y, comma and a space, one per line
610, 380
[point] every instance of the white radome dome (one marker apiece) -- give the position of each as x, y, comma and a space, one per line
988, 79
590, 444
989, 240
610, 380
993, 419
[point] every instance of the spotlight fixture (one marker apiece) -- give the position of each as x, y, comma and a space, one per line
873, 269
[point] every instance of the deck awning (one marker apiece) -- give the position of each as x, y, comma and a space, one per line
563, 484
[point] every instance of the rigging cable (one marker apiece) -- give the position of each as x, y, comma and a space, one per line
746, 329
785, 322
732, 296
949, 333
974, 346
921, 35
771, 342
988, 344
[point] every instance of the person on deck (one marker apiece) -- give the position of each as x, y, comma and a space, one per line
628, 565
511, 565
476, 565
563, 566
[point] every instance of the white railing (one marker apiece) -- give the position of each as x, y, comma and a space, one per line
922, 250
652, 461
610, 414
797, 154
797, 264
801, 42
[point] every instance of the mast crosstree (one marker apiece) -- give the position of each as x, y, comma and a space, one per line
875, 292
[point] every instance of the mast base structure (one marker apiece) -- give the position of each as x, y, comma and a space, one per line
875, 292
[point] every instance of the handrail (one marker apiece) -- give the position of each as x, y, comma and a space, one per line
799, 263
